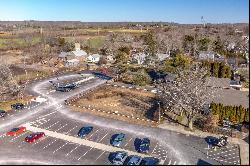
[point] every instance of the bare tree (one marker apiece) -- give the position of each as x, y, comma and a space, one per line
188, 94
8, 84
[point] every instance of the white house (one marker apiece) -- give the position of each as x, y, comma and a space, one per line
72, 62
95, 58
77, 53
140, 58
210, 55
162, 57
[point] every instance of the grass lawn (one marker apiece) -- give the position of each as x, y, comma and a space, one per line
18, 42
96, 42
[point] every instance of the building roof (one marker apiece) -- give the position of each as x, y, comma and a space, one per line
210, 55
79, 53
218, 82
162, 57
73, 61
95, 56
233, 97
139, 55
63, 54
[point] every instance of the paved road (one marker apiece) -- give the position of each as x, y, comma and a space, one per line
61, 145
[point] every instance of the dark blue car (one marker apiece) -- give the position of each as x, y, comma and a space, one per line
85, 131
144, 145
17, 106
2, 113
150, 161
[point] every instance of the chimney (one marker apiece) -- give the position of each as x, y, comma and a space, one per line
77, 46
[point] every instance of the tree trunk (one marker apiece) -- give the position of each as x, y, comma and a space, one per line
190, 124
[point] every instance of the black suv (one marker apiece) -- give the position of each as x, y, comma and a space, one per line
17, 106
2, 113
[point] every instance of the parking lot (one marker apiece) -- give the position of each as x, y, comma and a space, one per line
77, 152
228, 155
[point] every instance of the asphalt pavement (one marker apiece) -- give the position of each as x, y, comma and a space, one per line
62, 146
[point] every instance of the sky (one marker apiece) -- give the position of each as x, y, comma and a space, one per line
178, 11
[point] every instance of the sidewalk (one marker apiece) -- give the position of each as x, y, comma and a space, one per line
244, 146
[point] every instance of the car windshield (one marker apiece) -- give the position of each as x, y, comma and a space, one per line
144, 144
15, 129
134, 159
30, 136
120, 155
118, 139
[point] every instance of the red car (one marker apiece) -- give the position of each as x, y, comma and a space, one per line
34, 136
16, 131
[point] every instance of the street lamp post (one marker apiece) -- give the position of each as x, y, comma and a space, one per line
159, 111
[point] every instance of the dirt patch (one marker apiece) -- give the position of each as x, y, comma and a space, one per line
6, 105
123, 101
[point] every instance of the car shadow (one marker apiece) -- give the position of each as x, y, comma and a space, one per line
137, 143
211, 140
202, 162
111, 156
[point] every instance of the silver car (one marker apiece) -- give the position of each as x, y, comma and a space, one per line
117, 139
119, 158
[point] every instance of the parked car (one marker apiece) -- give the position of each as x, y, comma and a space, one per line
2, 113
16, 131
144, 146
119, 158
150, 161
34, 136
222, 141
17, 106
133, 160
117, 139
85, 131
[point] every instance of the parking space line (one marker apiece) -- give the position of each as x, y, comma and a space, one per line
155, 148
49, 144
103, 137
71, 129
47, 114
128, 142
85, 153
61, 127
169, 162
18, 136
40, 140
51, 125
100, 155
61, 147
92, 134
72, 150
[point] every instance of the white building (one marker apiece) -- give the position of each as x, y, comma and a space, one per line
210, 55
162, 57
72, 62
95, 58
77, 53
140, 58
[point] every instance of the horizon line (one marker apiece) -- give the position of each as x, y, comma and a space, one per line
120, 21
